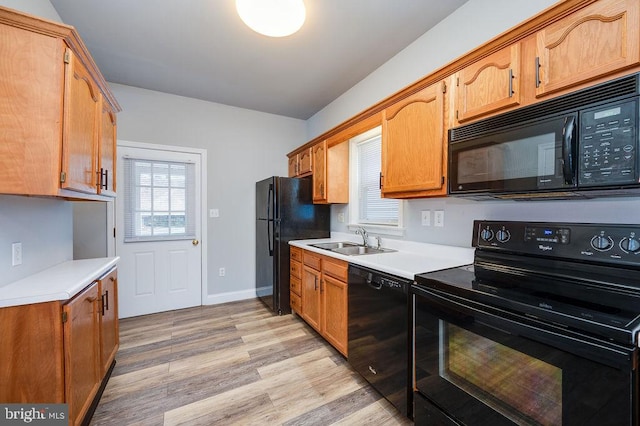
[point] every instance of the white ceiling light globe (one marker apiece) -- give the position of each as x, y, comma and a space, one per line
273, 18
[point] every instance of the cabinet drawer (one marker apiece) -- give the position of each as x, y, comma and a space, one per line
295, 285
296, 254
311, 259
296, 303
335, 268
296, 269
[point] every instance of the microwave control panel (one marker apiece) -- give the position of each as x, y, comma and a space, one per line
608, 145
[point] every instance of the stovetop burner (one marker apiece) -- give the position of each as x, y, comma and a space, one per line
558, 273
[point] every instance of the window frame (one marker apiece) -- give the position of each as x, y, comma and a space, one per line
354, 197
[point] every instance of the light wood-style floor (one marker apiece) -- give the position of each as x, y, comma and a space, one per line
234, 364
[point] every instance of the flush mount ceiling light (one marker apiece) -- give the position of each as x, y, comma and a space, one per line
273, 18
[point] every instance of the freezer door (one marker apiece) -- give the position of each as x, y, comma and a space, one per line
299, 218
265, 198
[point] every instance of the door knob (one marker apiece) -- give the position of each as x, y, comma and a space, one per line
195, 242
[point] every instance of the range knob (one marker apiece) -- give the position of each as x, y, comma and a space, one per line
486, 234
601, 243
630, 244
503, 235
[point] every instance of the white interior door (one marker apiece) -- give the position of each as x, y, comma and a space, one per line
158, 230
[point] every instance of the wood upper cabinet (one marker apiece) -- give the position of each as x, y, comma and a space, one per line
50, 111
489, 85
82, 354
592, 42
106, 172
80, 130
413, 148
331, 173
301, 164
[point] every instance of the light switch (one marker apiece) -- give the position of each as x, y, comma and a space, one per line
214, 213
426, 217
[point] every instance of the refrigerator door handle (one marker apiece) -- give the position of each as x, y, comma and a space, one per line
270, 223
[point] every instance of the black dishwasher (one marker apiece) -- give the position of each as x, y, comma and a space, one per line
379, 333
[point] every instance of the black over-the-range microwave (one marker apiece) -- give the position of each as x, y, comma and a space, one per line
583, 144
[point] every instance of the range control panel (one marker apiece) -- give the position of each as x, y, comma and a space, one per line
609, 243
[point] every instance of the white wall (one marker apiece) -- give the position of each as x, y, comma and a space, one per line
41, 8
242, 146
472, 24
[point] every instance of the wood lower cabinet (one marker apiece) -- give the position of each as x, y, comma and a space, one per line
324, 297
295, 280
594, 41
56, 352
82, 351
51, 112
413, 146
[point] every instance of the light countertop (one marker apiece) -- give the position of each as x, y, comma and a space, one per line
59, 282
411, 258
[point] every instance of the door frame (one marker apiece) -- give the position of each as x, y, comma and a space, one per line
111, 218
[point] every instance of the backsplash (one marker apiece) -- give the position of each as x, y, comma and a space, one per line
459, 215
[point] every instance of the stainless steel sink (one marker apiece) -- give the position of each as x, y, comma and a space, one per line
360, 250
334, 245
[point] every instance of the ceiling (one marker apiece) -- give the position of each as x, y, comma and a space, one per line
201, 49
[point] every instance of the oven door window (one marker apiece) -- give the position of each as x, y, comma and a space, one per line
519, 386
482, 372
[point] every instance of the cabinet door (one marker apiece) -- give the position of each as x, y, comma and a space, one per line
109, 330
81, 340
311, 297
107, 160
320, 172
80, 129
598, 39
334, 318
412, 144
305, 162
489, 85
293, 166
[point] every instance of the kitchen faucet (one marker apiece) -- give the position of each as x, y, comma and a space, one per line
363, 233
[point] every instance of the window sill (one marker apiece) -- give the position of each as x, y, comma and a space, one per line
393, 231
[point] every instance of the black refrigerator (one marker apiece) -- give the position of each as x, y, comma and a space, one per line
284, 212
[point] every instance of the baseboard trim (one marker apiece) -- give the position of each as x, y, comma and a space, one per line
232, 296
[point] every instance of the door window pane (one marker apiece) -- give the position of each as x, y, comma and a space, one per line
159, 200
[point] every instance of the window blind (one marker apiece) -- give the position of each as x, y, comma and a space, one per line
372, 208
159, 198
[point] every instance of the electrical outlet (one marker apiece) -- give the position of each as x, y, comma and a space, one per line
438, 218
222, 272
341, 217
426, 217
16, 254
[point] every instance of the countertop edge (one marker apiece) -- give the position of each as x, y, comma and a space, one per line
58, 283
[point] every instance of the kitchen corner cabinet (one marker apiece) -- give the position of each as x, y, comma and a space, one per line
599, 39
51, 114
324, 297
331, 173
489, 85
413, 146
301, 164
54, 352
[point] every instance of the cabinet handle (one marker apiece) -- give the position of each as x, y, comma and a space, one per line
106, 179
510, 82
103, 308
106, 297
537, 71
380, 181
315, 283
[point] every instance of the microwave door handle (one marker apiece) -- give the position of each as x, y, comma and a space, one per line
568, 141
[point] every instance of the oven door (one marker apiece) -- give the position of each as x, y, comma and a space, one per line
480, 366
537, 156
